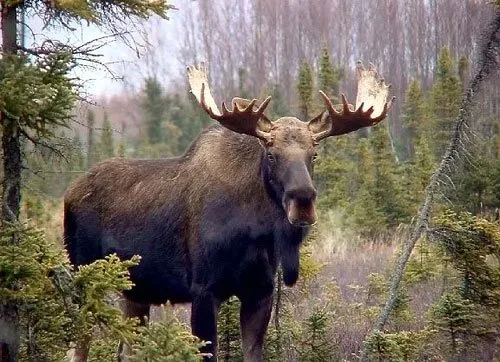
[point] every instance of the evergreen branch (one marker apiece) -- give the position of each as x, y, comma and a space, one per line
489, 58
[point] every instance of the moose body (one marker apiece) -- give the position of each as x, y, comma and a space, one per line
212, 223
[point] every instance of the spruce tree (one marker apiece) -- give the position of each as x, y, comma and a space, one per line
363, 211
328, 76
91, 149
228, 330
418, 173
305, 90
107, 141
121, 146
153, 107
413, 117
278, 107
387, 187
444, 101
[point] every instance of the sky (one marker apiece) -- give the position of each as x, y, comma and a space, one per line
122, 59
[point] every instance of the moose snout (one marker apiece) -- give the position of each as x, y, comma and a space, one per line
303, 195
299, 206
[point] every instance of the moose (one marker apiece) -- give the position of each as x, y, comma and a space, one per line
217, 221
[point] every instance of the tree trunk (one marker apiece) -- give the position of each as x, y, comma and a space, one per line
11, 146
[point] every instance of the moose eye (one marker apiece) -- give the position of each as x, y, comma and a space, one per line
271, 157
315, 157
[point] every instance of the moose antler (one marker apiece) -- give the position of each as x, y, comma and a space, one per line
372, 96
249, 119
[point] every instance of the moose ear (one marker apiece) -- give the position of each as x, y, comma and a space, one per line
319, 123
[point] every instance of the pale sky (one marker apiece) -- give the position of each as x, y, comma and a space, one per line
122, 59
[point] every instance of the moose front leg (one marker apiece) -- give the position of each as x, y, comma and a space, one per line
204, 321
254, 318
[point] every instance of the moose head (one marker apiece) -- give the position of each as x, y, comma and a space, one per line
289, 144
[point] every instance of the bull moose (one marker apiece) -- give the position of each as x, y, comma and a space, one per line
217, 221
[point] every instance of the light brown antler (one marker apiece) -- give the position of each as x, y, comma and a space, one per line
372, 96
249, 119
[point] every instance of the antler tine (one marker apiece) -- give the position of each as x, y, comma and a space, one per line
242, 120
204, 105
264, 105
372, 92
250, 106
198, 81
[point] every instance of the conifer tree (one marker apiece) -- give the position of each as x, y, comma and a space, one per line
91, 149
418, 172
444, 101
305, 90
413, 117
363, 210
107, 141
228, 330
278, 107
154, 108
387, 186
121, 146
328, 76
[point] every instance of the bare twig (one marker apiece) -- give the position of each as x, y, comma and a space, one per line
490, 53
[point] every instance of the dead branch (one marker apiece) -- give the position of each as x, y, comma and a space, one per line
489, 59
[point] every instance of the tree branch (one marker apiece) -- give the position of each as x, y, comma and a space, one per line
51, 147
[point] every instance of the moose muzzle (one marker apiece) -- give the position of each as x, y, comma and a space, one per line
299, 207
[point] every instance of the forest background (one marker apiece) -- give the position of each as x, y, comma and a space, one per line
371, 184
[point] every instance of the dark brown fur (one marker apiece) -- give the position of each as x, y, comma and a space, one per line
208, 225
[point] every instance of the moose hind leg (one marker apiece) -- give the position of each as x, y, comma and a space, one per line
131, 310
254, 318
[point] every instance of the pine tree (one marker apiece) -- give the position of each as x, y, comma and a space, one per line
444, 101
121, 146
305, 89
91, 149
363, 209
334, 173
316, 346
328, 76
418, 173
154, 108
413, 117
228, 330
469, 313
277, 108
387, 186
453, 315
107, 141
